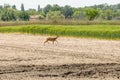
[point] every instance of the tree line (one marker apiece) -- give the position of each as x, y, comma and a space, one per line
54, 12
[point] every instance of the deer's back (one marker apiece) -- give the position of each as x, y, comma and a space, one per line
51, 39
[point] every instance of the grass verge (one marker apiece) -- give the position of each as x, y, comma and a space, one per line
89, 31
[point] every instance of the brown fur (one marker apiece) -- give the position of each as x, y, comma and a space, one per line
52, 39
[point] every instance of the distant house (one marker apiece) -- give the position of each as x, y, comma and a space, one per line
34, 17
116, 18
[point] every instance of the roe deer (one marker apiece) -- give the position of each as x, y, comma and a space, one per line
52, 39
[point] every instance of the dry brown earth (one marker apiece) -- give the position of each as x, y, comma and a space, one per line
24, 57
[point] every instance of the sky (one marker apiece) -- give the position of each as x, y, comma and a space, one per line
74, 3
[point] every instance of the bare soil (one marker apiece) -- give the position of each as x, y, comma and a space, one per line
24, 57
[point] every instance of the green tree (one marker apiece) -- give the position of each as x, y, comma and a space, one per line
108, 14
31, 12
55, 7
14, 7
7, 6
91, 13
55, 15
1, 11
118, 6
47, 8
1, 7
24, 16
67, 11
8, 14
38, 8
79, 14
22, 7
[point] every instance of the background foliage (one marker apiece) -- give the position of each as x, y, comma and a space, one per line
96, 12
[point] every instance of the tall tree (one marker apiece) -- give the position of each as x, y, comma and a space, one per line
32, 11
118, 6
7, 6
22, 7
91, 13
9, 14
79, 14
67, 11
56, 7
1, 6
47, 8
24, 16
14, 7
38, 8
108, 14
55, 15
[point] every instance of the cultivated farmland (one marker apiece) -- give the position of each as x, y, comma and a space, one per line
82, 53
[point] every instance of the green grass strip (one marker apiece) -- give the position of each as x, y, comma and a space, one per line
89, 31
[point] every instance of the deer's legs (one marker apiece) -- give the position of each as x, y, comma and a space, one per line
45, 42
53, 42
57, 41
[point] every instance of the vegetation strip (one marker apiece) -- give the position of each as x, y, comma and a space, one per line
89, 31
